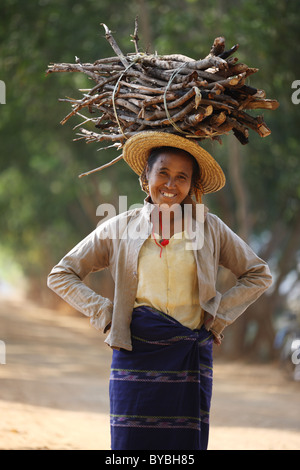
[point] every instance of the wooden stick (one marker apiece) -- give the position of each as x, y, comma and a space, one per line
114, 45
196, 65
102, 167
231, 51
135, 37
218, 46
262, 104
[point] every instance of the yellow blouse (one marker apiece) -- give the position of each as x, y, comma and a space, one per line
169, 283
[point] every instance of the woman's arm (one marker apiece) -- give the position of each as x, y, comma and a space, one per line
252, 274
66, 278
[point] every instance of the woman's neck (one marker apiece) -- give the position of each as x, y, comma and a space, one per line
167, 220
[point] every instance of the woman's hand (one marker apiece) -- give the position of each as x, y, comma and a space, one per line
217, 339
208, 320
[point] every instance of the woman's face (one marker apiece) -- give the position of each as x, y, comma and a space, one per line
170, 178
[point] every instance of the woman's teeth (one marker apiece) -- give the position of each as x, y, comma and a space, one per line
168, 194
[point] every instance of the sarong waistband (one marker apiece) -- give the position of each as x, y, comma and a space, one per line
156, 327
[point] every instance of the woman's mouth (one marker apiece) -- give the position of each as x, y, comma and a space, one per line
169, 195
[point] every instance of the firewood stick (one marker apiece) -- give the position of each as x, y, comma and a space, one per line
125, 94
160, 122
218, 104
176, 57
106, 165
232, 50
257, 124
142, 88
196, 64
83, 104
260, 94
173, 104
107, 60
240, 136
236, 125
147, 100
194, 119
239, 68
71, 68
205, 129
144, 78
229, 82
218, 96
262, 104
125, 104
105, 81
158, 99
155, 115
135, 37
176, 117
91, 136
180, 101
218, 46
86, 68
115, 46
217, 119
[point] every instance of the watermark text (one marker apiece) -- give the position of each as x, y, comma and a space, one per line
296, 94
183, 220
2, 352
2, 92
296, 352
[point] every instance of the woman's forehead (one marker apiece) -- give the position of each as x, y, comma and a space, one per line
174, 161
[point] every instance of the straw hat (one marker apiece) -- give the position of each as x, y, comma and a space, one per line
137, 149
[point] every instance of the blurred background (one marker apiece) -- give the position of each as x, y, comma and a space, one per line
45, 209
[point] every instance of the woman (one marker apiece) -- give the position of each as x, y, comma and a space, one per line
166, 312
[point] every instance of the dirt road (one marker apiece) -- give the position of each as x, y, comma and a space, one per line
54, 390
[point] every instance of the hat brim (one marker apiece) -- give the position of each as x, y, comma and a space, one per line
137, 149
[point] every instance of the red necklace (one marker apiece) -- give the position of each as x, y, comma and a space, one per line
163, 241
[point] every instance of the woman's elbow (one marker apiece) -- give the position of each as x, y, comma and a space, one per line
266, 277
51, 281
55, 279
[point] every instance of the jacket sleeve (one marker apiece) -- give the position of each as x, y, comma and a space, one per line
66, 278
252, 274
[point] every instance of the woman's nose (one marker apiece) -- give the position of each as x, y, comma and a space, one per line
170, 183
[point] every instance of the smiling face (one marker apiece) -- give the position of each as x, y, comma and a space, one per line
170, 177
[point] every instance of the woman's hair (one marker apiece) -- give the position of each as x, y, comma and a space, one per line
196, 187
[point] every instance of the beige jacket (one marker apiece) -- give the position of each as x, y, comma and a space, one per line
115, 244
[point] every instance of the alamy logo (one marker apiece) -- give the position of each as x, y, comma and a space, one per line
296, 352
2, 352
2, 92
295, 95
296, 357
159, 218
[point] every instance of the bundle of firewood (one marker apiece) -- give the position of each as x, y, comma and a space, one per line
197, 99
